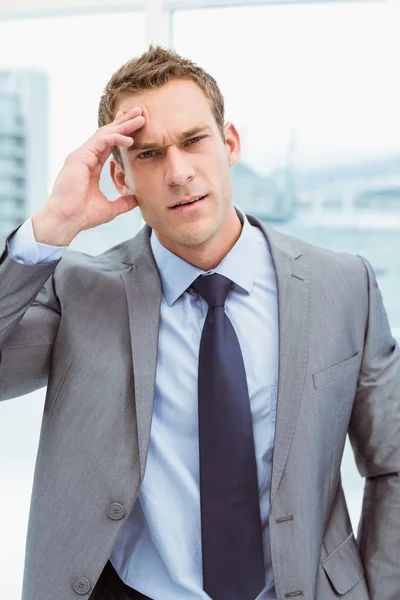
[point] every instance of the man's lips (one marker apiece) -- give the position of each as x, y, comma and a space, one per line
189, 204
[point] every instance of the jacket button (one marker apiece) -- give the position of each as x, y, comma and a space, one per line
116, 511
81, 585
284, 519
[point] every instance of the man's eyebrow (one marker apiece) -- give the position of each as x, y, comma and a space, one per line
183, 136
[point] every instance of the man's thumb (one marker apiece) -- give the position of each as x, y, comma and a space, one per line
124, 204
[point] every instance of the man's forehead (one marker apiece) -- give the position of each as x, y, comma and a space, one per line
169, 116
160, 119
175, 95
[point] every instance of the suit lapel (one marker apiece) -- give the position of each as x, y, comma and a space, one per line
294, 309
143, 290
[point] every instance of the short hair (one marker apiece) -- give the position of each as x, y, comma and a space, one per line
153, 69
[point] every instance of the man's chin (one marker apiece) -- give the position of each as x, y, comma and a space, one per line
192, 237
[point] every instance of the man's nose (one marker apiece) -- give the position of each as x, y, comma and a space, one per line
178, 170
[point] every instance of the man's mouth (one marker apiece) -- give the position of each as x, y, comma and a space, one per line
188, 203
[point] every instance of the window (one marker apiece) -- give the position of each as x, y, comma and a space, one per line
78, 55
311, 88
313, 92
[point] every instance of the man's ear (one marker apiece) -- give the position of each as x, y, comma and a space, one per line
232, 142
118, 176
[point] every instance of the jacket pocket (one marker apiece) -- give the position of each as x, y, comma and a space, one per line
343, 566
335, 371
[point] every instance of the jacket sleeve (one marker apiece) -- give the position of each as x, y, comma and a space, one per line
374, 433
29, 319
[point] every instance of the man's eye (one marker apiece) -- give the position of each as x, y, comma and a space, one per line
197, 138
141, 156
150, 153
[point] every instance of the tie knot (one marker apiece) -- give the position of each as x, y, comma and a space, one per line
213, 288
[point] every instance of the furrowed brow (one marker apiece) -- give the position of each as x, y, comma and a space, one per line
183, 136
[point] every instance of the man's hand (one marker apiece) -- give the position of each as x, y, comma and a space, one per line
76, 202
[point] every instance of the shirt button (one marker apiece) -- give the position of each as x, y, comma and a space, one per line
115, 511
81, 585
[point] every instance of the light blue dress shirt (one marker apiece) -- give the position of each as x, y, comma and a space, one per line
158, 551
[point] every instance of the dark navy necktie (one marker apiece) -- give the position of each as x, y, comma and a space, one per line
233, 561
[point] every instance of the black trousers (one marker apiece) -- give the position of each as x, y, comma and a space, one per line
111, 587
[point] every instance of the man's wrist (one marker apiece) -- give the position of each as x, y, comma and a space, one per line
52, 231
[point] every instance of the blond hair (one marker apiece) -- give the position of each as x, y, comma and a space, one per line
156, 67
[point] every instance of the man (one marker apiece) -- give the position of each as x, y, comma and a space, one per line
201, 377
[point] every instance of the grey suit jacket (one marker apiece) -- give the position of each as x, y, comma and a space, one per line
87, 327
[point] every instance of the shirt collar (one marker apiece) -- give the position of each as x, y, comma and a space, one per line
177, 274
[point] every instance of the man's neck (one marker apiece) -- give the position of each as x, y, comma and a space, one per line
210, 255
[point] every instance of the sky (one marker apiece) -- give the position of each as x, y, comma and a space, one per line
319, 79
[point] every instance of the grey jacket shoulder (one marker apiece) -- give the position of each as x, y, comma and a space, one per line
321, 262
337, 269
114, 259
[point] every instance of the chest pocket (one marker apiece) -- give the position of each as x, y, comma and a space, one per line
337, 371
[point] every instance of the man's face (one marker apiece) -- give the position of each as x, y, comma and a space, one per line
175, 165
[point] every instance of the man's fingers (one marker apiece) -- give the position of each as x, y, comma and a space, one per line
100, 145
109, 141
131, 125
104, 144
117, 139
122, 116
122, 128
